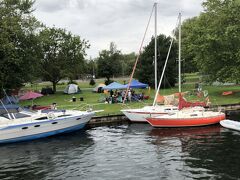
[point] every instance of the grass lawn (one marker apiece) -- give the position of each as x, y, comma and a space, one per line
92, 100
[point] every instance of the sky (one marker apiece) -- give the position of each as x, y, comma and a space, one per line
120, 21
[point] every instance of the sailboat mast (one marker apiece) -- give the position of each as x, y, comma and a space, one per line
179, 54
155, 52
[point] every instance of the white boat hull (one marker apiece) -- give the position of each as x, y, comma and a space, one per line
42, 128
140, 115
235, 125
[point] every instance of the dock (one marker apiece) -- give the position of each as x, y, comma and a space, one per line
228, 109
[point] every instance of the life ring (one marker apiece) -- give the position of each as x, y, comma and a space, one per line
51, 115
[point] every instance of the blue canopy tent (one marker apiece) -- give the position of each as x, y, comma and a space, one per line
114, 85
136, 84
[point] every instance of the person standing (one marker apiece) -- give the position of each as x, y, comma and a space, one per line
129, 96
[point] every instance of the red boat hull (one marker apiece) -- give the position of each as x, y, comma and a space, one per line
185, 122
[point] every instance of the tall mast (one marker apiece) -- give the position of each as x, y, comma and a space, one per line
155, 53
164, 67
179, 54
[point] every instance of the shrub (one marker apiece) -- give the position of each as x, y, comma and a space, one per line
92, 82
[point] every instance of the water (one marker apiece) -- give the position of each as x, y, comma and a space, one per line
135, 151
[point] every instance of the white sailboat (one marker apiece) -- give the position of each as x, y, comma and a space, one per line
140, 115
19, 125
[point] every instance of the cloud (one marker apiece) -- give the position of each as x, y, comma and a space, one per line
120, 21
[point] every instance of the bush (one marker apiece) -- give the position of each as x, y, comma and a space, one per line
61, 83
73, 82
92, 82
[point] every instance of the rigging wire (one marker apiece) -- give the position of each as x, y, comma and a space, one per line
140, 49
160, 82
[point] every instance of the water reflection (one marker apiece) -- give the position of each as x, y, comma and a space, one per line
135, 151
185, 133
205, 152
44, 158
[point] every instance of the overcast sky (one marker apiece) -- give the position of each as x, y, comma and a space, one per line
120, 21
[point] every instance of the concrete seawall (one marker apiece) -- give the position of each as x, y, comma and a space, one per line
108, 120
228, 109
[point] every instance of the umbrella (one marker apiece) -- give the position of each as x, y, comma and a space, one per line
30, 95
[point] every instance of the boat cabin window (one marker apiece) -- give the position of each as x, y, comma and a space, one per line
193, 115
21, 115
15, 115
64, 115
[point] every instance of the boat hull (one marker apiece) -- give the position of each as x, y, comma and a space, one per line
44, 128
140, 115
235, 125
185, 122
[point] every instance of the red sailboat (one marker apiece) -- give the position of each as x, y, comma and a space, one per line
190, 114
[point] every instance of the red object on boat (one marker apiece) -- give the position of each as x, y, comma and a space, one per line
183, 119
183, 103
30, 95
41, 107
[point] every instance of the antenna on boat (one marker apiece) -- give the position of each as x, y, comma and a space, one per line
160, 82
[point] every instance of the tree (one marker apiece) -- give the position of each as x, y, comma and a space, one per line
189, 65
18, 40
109, 62
127, 62
215, 42
62, 54
92, 82
145, 69
91, 67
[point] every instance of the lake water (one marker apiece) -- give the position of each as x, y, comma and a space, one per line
129, 151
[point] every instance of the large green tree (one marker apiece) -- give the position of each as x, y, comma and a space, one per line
90, 67
145, 68
18, 52
61, 53
214, 40
189, 65
127, 63
109, 62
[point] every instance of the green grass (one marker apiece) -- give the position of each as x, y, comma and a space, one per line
91, 100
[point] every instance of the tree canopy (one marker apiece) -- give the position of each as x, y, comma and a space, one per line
213, 42
109, 62
18, 52
61, 54
29, 50
145, 68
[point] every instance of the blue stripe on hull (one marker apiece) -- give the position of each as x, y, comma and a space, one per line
42, 135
